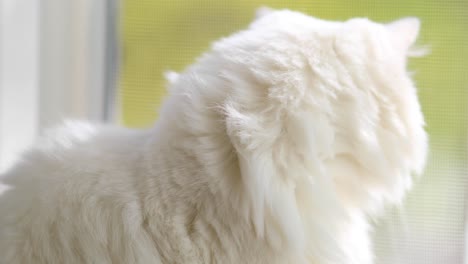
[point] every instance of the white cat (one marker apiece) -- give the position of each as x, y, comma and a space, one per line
274, 147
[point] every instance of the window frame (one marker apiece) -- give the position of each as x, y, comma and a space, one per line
58, 60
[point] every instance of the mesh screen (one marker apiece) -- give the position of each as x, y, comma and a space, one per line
429, 228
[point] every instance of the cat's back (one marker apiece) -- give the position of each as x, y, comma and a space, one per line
74, 153
70, 197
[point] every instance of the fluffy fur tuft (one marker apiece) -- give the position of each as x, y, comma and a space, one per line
274, 147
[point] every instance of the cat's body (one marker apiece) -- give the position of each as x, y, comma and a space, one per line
272, 148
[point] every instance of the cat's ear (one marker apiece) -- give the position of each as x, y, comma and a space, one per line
404, 32
171, 77
262, 11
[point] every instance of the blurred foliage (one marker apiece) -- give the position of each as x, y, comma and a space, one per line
169, 34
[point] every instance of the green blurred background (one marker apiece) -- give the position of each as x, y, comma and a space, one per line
430, 227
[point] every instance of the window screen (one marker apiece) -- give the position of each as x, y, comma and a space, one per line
430, 226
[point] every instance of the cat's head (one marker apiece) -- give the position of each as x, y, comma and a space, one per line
330, 98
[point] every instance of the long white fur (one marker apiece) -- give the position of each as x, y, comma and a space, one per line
274, 147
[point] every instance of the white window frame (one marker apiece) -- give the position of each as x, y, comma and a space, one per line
57, 61
19, 76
